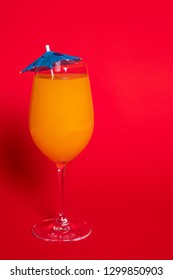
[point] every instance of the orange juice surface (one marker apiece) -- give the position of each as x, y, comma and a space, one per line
61, 115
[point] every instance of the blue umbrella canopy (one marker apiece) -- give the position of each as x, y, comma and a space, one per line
49, 59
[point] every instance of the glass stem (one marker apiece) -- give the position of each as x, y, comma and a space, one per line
61, 172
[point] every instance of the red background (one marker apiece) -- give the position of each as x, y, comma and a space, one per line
122, 183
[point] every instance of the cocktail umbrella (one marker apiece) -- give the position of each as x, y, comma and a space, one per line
49, 60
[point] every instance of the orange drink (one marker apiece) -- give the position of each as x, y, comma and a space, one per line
61, 117
61, 123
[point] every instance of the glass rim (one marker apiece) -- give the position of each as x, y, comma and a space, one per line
65, 68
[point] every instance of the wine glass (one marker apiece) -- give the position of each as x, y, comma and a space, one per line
61, 122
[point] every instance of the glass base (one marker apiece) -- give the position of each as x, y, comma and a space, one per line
61, 230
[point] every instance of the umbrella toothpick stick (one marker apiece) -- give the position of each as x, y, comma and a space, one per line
51, 70
47, 48
52, 73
